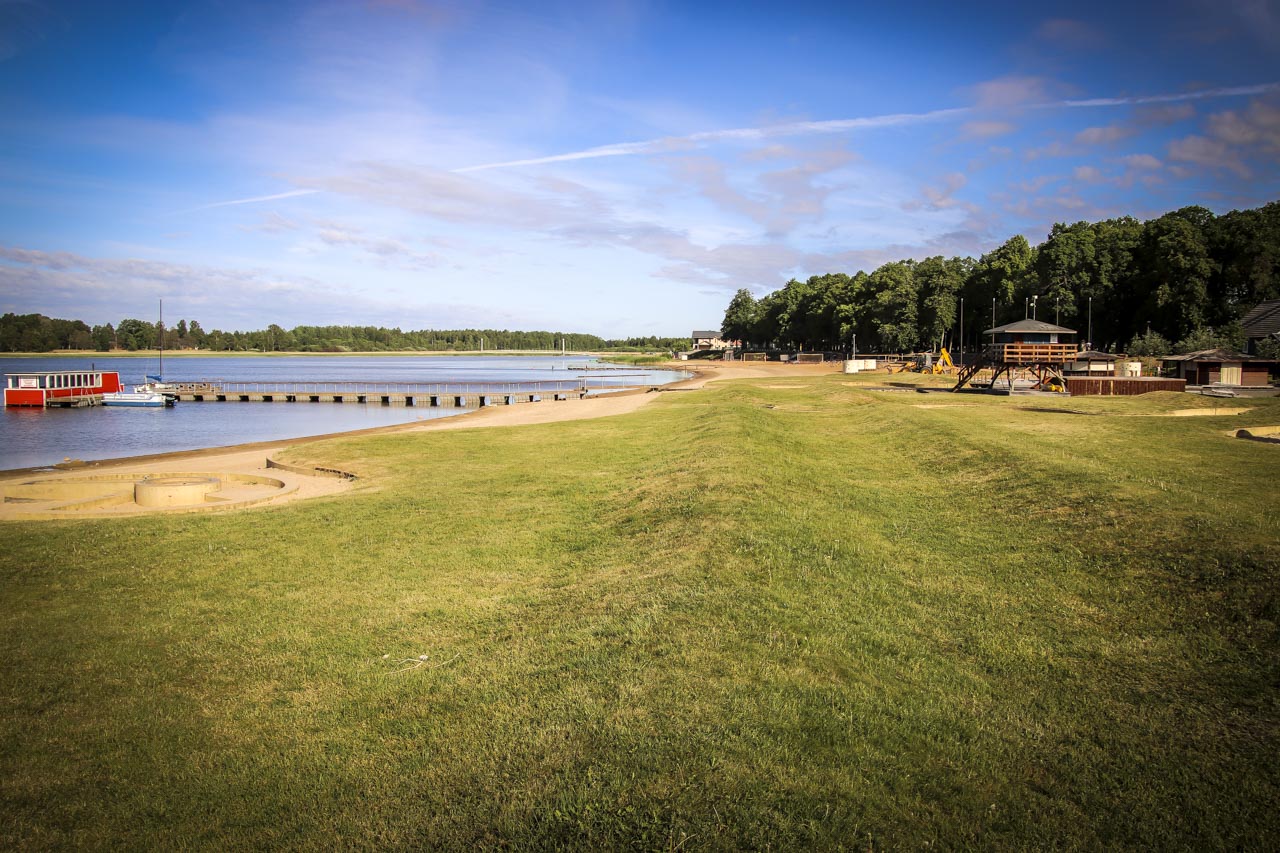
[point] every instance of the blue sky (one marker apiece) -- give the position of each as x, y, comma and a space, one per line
610, 167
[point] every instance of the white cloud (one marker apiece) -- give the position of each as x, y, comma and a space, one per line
986, 129
1234, 138
1258, 126
1087, 174
1011, 91
1141, 161
1103, 135
1211, 153
105, 287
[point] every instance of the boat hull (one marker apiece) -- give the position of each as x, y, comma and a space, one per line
136, 400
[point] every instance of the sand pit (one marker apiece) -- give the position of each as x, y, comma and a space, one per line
1215, 411
128, 488
1265, 434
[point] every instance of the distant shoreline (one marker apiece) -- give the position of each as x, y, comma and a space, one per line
62, 353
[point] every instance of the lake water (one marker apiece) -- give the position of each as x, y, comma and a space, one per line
32, 437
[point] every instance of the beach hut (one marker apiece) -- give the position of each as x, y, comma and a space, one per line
1219, 367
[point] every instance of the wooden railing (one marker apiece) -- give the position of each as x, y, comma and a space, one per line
1033, 353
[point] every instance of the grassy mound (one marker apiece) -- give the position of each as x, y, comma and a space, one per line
754, 616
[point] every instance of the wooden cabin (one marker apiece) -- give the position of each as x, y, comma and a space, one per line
1219, 367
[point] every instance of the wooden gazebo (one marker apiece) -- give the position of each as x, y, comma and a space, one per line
1033, 348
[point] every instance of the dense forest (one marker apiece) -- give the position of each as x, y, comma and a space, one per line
1173, 284
37, 333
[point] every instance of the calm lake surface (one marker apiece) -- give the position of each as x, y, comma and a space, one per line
32, 437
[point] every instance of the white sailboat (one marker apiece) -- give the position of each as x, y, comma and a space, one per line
152, 394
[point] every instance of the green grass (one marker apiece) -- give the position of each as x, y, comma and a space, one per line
750, 617
636, 359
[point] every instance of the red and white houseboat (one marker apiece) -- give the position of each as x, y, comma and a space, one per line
60, 387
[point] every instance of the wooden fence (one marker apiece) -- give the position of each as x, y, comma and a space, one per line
1121, 386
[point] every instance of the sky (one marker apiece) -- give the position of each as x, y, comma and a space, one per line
609, 167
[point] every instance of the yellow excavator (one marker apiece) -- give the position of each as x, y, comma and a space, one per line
925, 363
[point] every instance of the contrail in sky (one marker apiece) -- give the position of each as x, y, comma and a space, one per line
1238, 91
803, 128
255, 199
674, 143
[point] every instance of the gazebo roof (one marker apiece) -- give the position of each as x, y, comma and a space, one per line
1094, 355
1029, 325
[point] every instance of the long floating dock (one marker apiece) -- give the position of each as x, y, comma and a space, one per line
444, 395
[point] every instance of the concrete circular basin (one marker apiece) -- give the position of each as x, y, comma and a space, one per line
173, 491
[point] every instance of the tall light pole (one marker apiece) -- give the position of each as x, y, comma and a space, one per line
1090, 322
962, 328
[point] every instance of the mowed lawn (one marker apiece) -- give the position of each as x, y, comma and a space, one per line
772, 615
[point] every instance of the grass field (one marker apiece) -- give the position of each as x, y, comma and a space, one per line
774, 614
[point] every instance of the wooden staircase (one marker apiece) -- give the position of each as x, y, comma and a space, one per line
971, 369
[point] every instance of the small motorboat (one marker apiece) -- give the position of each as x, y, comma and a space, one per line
139, 397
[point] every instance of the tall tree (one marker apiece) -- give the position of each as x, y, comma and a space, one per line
896, 305
939, 281
740, 318
1177, 266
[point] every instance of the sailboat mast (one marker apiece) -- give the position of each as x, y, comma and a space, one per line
161, 340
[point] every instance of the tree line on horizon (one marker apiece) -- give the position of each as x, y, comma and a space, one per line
38, 333
1177, 283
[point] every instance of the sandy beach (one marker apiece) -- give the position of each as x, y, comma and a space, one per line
252, 459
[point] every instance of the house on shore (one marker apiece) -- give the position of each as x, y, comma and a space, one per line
708, 340
1219, 367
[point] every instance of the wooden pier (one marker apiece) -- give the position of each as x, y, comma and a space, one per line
471, 395
424, 400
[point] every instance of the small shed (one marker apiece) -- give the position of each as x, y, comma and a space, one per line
1220, 367
1092, 363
